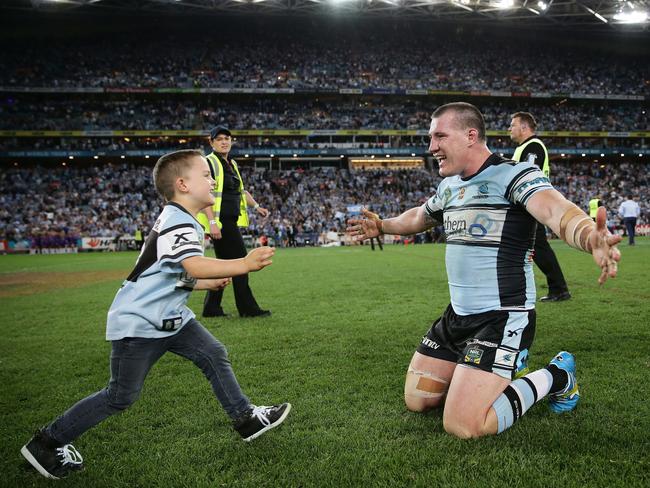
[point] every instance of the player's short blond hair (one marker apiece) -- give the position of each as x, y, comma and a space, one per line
467, 116
171, 166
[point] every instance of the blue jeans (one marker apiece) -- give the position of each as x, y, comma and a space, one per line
131, 360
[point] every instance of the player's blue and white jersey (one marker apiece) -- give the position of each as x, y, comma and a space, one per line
152, 301
490, 235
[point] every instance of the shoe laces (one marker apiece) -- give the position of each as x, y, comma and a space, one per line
69, 455
260, 413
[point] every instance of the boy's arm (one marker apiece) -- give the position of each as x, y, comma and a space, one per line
200, 267
215, 284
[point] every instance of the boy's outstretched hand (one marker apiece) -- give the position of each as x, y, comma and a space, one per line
259, 258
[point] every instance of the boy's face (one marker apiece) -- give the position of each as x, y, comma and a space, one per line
199, 183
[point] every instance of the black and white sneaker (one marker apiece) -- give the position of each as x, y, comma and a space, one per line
51, 459
260, 419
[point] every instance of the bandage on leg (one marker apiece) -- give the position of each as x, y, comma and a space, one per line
423, 384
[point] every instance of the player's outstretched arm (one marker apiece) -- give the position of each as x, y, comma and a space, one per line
200, 267
410, 222
578, 230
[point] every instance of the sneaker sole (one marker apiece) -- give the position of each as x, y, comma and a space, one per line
270, 426
32, 460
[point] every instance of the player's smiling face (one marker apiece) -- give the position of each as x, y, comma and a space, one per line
448, 144
199, 182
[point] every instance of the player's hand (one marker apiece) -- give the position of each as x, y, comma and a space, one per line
603, 247
366, 228
259, 258
215, 231
217, 283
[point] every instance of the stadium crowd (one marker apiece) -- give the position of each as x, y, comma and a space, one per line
47, 207
297, 113
312, 57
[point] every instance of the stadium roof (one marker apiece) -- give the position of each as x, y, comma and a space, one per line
583, 14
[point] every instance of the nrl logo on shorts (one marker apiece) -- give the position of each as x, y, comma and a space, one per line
474, 355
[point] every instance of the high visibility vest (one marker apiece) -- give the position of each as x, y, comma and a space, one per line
217, 169
546, 168
593, 207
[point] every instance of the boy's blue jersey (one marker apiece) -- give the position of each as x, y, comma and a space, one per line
152, 301
490, 235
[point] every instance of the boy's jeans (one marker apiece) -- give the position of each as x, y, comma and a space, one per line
131, 360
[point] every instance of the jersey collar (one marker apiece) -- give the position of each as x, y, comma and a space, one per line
183, 209
492, 160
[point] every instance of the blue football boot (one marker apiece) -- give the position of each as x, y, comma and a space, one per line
566, 399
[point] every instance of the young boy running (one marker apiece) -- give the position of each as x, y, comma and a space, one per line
149, 317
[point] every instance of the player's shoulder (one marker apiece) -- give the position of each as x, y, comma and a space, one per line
173, 216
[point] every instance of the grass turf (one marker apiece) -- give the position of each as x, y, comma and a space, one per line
345, 324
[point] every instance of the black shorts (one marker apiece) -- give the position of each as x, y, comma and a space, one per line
497, 341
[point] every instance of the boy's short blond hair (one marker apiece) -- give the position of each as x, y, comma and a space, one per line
170, 167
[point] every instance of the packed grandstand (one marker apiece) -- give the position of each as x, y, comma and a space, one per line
323, 120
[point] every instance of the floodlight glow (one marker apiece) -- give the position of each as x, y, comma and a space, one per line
542, 5
631, 17
505, 3
462, 4
595, 14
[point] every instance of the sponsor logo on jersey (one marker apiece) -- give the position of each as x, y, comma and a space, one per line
181, 240
535, 181
461, 193
481, 343
514, 333
455, 226
505, 358
429, 343
483, 192
474, 355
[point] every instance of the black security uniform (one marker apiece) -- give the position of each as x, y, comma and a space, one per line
532, 150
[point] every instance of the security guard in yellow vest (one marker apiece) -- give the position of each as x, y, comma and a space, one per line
594, 203
222, 222
531, 149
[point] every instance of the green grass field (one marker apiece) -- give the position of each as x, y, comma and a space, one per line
345, 324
